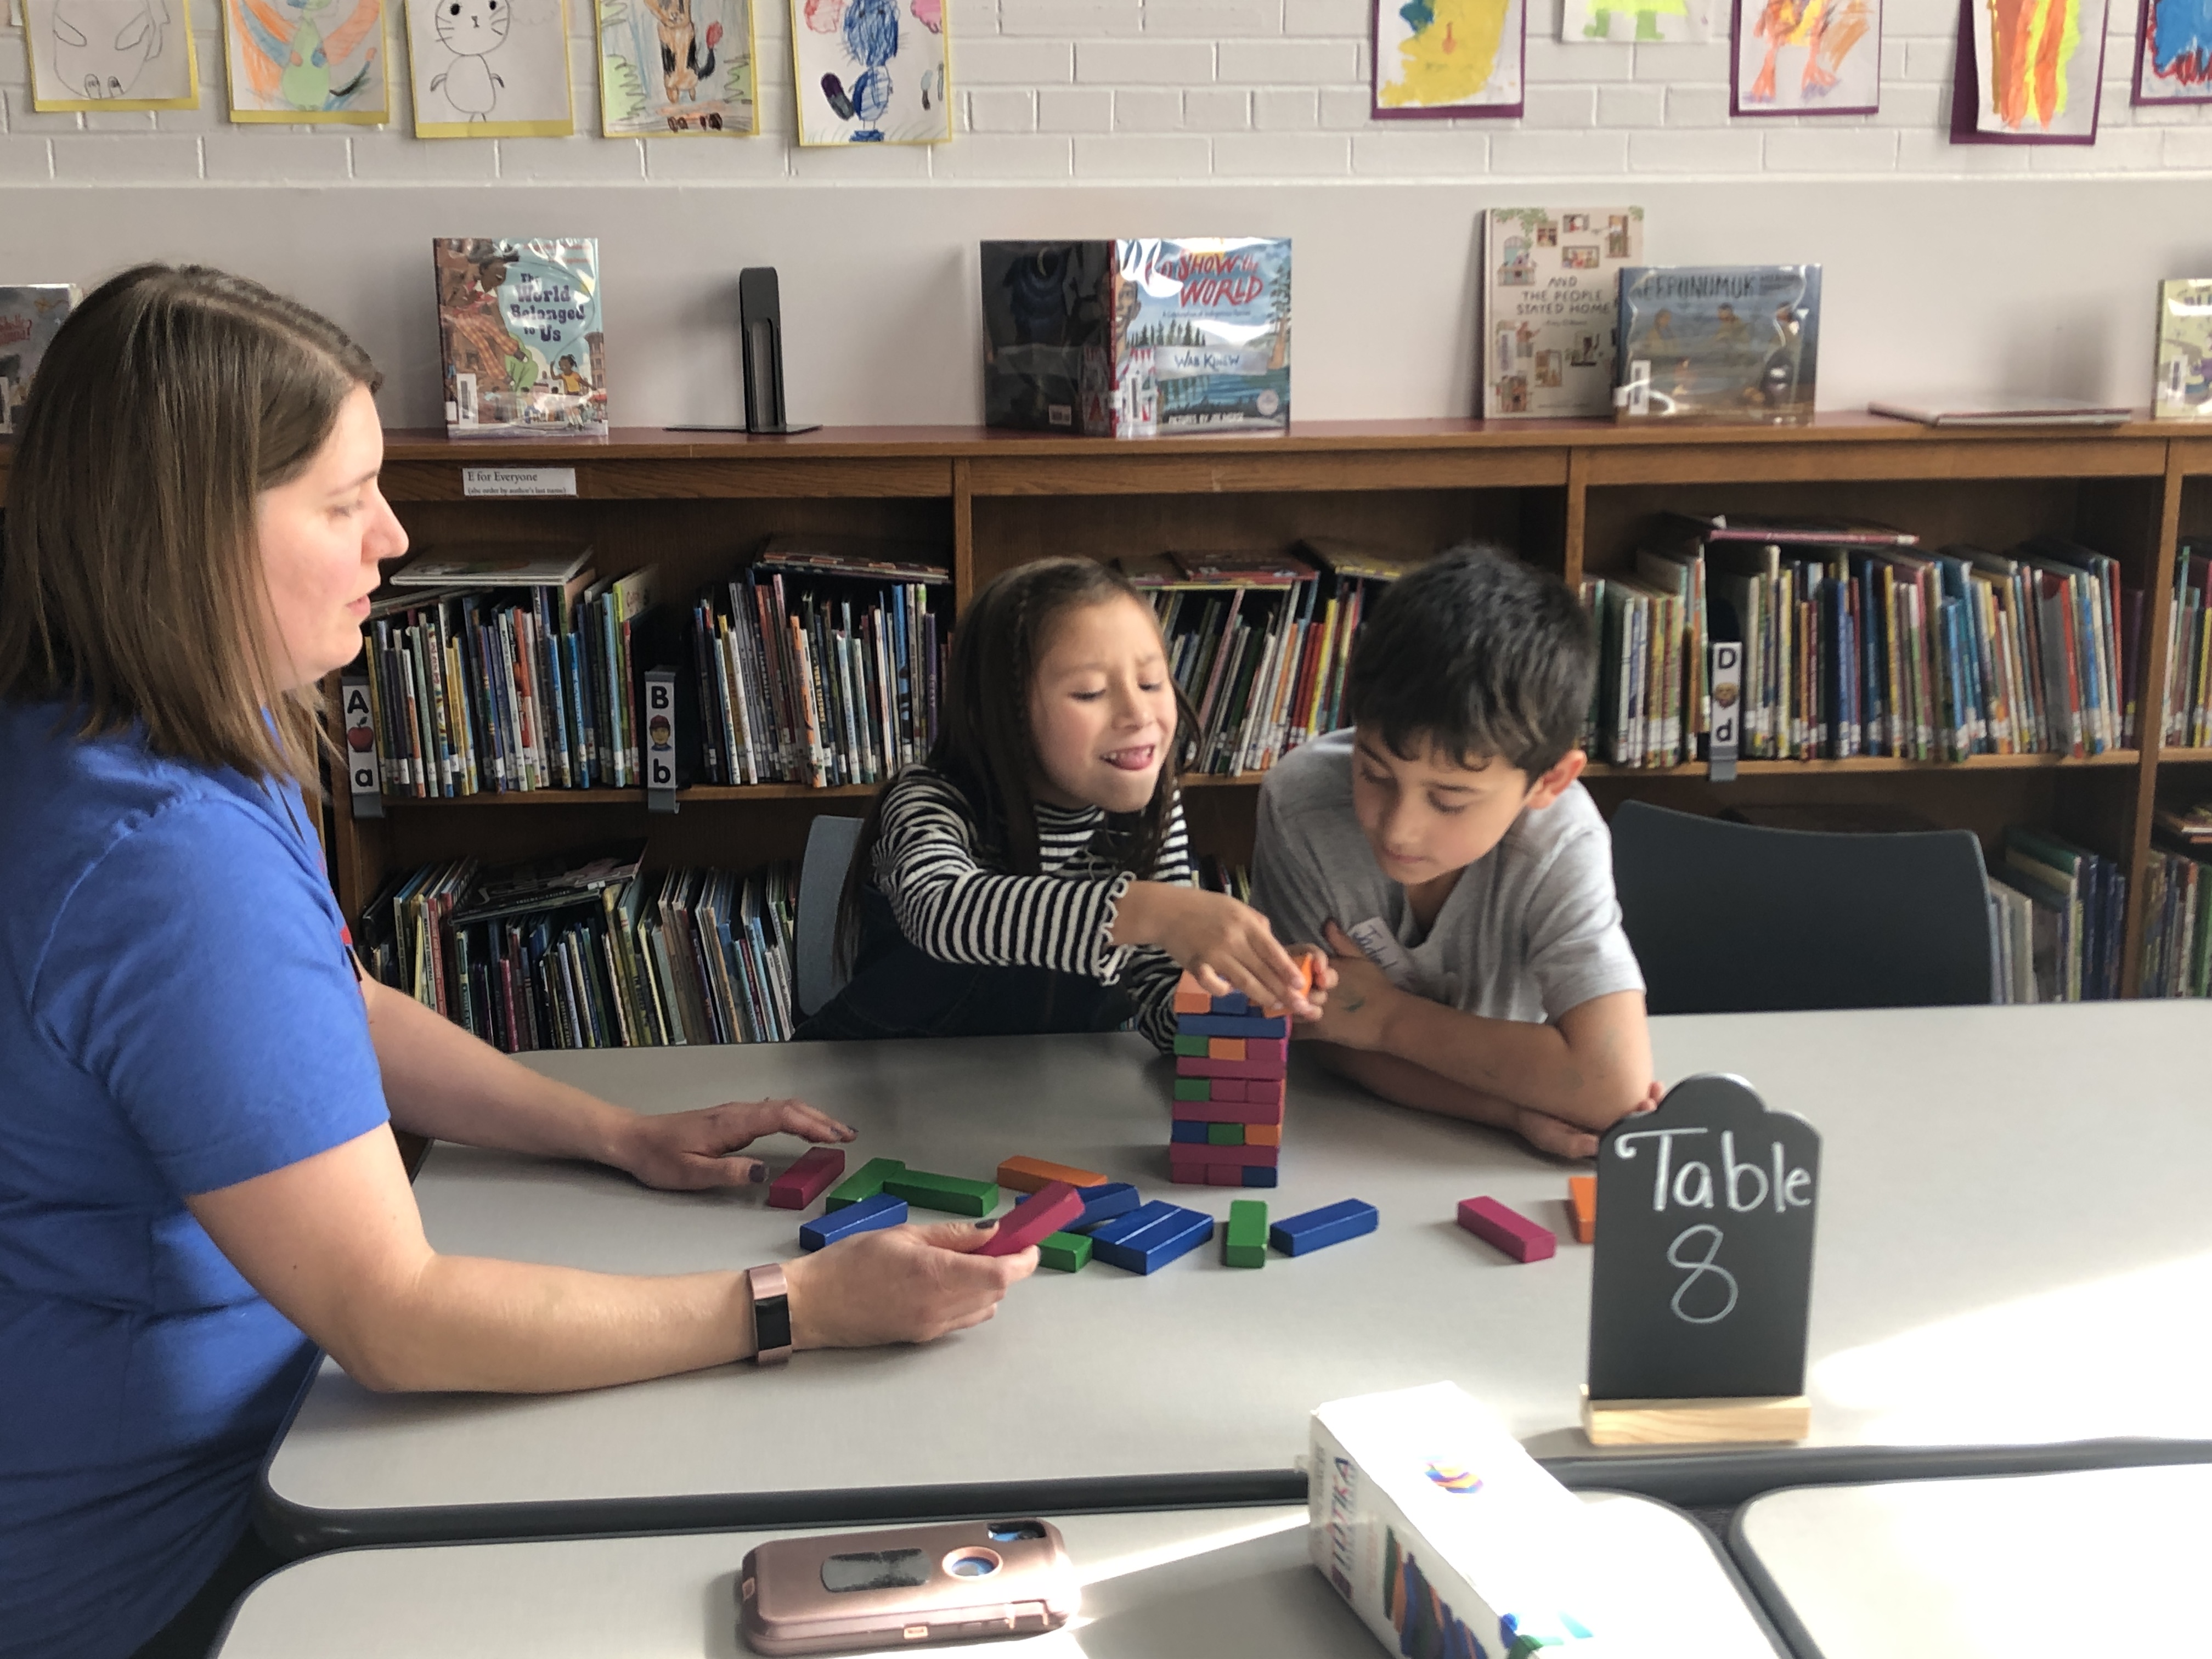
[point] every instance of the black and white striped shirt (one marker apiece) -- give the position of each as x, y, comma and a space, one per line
951, 906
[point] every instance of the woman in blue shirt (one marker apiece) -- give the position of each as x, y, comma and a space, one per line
197, 1185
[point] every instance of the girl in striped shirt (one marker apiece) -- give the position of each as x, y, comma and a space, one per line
1033, 874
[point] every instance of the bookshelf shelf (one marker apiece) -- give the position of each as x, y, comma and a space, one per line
718, 794
1875, 765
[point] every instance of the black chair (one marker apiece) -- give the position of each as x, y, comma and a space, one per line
1732, 918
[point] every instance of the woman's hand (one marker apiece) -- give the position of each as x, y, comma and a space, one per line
899, 1285
1225, 945
690, 1152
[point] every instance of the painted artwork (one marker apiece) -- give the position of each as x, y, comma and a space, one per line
1808, 57
1549, 279
1654, 22
871, 72
1447, 58
677, 69
111, 54
490, 68
2183, 387
2173, 53
2029, 71
307, 62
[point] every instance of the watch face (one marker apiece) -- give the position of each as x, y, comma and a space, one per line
771, 1323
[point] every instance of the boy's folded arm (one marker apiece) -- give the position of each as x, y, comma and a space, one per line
1591, 1067
1396, 1077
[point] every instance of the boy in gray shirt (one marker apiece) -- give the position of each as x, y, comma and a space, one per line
1459, 876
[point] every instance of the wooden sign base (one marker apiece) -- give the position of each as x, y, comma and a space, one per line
1678, 1422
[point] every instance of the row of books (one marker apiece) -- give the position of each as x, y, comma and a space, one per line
2176, 946
592, 953
2060, 913
1856, 642
2189, 651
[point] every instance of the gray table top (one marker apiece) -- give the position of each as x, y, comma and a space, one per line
2010, 1196
1987, 1568
1207, 1583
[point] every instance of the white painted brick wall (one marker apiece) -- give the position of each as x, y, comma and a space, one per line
1156, 90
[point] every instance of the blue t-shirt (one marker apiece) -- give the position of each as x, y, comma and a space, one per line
176, 1014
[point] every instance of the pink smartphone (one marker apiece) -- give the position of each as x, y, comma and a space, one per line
905, 1586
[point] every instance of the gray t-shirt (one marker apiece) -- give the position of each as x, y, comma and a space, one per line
1531, 929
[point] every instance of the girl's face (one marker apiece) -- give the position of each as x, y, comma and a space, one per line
322, 537
1102, 708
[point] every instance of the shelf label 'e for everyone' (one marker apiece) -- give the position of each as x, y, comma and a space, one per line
517, 481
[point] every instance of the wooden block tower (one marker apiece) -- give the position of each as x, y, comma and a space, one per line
1231, 1060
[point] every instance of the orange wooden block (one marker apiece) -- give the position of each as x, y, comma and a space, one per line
1189, 999
1582, 1207
1027, 1175
1224, 1048
1263, 1134
1276, 1010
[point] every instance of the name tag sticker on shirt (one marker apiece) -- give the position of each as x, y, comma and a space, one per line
1380, 945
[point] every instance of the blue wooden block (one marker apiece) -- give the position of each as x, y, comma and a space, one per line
1160, 1241
1231, 1025
867, 1216
1259, 1175
1318, 1229
1132, 1222
1188, 1135
1235, 1003
1102, 1204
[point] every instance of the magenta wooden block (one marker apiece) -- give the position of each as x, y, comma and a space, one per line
1037, 1218
1225, 1175
807, 1180
1226, 1111
1275, 1051
1192, 1152
1195, 1065
1264, 1091
1518, 1237
1227, 1088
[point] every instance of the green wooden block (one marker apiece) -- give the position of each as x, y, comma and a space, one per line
954, 1193
1224, 1134
1244, 1243
865, 1182
1194, 1088
1193, 1046
1069, 1253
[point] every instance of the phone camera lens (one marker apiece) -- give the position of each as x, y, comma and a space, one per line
1008, 1532
972, 1563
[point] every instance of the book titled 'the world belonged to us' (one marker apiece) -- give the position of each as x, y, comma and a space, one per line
518, 320
1718, 342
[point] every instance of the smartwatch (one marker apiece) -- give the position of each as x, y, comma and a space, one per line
771, 1313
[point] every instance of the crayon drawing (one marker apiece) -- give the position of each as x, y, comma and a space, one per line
677, 69
2029, 71
1661, 23
307, 62
871, 72
1447, 58
1808, 56
2173, 53
490, 68
111, 55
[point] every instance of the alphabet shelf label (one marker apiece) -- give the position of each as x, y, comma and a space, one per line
1704, 1248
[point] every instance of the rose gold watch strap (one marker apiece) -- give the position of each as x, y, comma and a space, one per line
771, 1305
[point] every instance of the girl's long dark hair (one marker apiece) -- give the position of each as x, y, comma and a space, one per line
984, 744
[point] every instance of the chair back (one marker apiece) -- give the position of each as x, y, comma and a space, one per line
829, 843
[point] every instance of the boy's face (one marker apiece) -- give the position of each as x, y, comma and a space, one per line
1429, 817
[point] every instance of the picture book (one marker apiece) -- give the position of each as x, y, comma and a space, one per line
309, 62
1450, 57
867, 556
2173, 53
871, 72
30, 316
2183, 386
1550, 277
1340, 558
494, 567
519, 320
111, 55
1807, 57
678, 68
490, 68
2028, 71
1718, 342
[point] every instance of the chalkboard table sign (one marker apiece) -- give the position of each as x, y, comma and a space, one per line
1705, 1267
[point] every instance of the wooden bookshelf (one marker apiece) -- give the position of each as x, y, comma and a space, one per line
1571, 496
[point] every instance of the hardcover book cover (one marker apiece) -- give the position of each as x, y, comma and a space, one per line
1549, 311
2183, 386
1718, 342
30, 316
519, 320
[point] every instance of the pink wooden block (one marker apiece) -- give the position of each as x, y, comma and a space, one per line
1225, 1175
1188, 1152
1226, 1111
1043, 1212
1196, 1065
1277, 1049
1518, 1237
1227, 1088
807, 1180
1264, 1091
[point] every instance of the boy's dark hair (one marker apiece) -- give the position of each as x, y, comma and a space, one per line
1484, 656
984, 744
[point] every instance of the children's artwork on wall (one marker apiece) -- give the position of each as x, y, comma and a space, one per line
677, 69
1808, 57
111, 54
307, 62
2173, 53
871, 72
1654, 22
1448, 58
2029, 71
490, 68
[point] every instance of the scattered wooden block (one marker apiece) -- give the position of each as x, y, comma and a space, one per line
1064, 1253
805, 1180
1150, 1236
1245, 1243
1582, 1207
1037, 1218
869, 1215
953, 1193
1224, 1048
1511, 1232
1029, 1175
864, 1183
1317, 1230
1102, 1204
